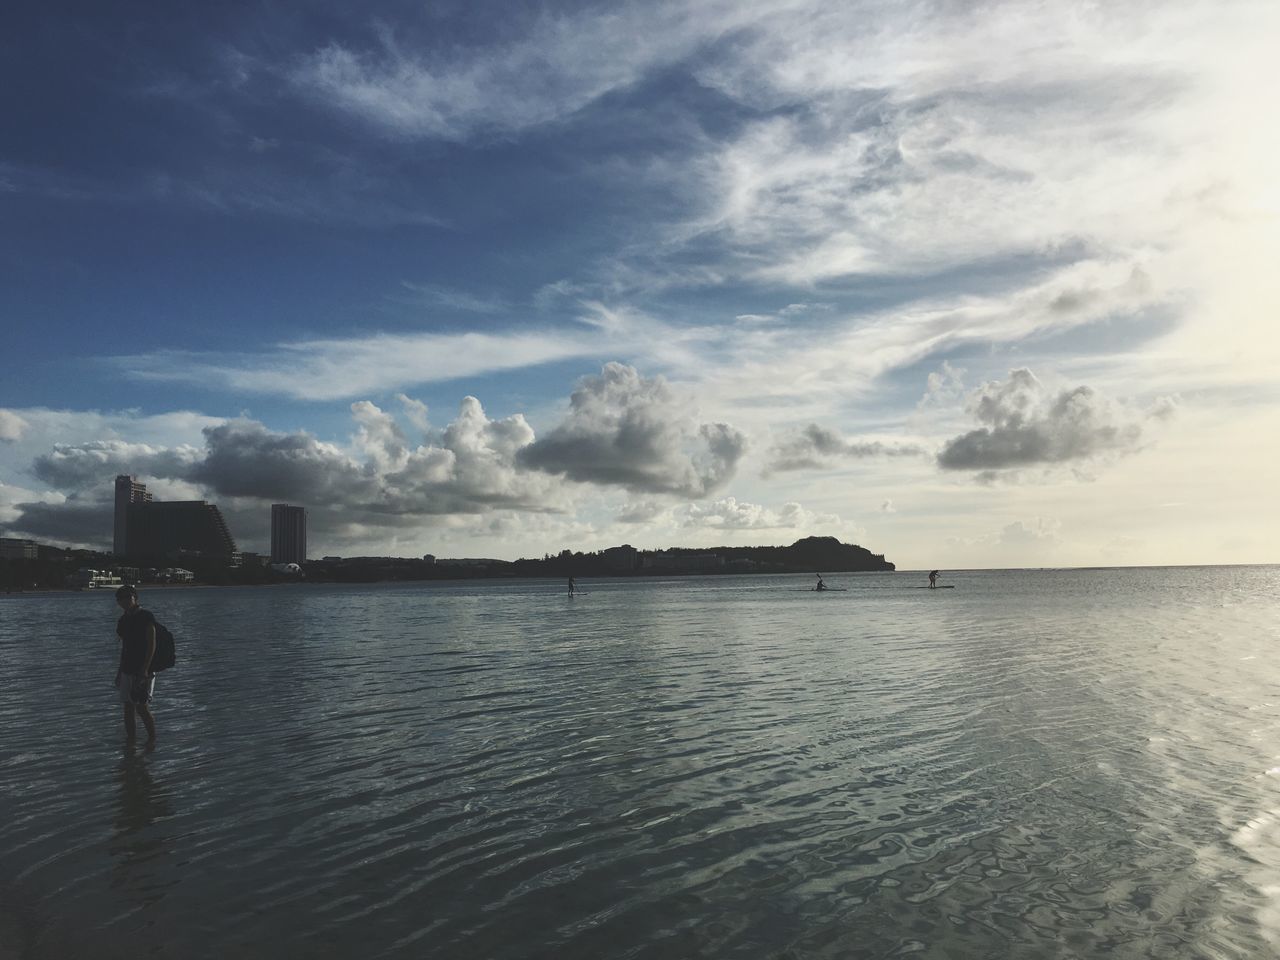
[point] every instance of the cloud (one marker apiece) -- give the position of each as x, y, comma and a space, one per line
553, 66
628, 431
775, 365
815, 447
790, 312
730, 513
945, 386
95, 463
889, 141
245, 459
1029, 425
428, 294
330, 369
11, 496
1037, 532
643, 511
381, 480
1019, 535
78, 521
415, 411
343, 191
888, 507
12, 426
471, 470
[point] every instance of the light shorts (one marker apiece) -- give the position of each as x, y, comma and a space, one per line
134, 689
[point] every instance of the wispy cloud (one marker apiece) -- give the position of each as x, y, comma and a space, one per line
852, 351
552, 66
816, 447
434, 295
328, 369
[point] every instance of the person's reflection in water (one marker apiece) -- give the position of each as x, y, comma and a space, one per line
139, 844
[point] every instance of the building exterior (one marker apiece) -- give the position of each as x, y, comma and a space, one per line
621, 559
169, 575
87, 578
288, 533
128, 491
169, 528
11, 549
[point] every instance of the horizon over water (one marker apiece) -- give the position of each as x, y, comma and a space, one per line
1046, 763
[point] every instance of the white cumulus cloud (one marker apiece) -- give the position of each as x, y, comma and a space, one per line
625, 430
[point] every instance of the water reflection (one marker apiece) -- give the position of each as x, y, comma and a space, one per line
140, 843
1036, 765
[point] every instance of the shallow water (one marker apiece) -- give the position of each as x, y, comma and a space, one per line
1035, 764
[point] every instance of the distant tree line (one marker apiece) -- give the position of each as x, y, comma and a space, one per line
812, 554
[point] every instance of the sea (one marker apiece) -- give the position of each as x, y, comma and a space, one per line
1073, 763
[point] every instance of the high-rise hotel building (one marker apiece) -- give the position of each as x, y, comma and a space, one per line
128, 490
152, 530
288, 533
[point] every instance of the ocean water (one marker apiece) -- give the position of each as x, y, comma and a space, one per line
1066, 764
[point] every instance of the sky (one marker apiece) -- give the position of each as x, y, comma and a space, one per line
971, 285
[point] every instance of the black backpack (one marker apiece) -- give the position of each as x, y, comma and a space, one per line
165, 656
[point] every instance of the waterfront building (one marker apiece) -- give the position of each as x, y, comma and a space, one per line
12, 549
87, 578
173, 527
288, 533
128, 491
621, 559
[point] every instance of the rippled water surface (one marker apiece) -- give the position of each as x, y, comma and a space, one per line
1034, 764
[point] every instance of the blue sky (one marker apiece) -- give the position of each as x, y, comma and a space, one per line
971, 285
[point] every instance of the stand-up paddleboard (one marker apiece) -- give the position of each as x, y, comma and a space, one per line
824, 590
941, 586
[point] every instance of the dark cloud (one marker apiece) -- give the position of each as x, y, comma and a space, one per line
86, 465
74, 523
623, 430
245, 459
1028, 425
643, 511
816, 447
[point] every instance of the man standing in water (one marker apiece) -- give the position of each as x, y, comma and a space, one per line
933, 579
134, 679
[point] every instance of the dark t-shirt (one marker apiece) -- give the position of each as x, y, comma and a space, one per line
132, 630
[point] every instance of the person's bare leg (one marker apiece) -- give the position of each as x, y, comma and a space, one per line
130, 729
149, 722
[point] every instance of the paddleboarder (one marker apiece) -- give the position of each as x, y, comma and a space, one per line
933, 579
